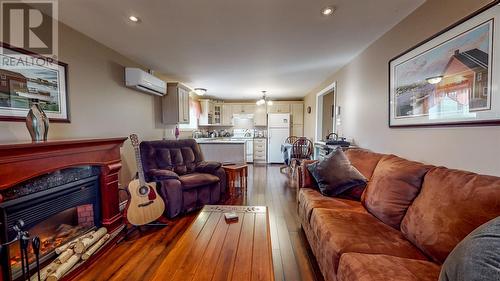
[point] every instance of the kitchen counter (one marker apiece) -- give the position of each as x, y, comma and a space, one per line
217, 140
223, 150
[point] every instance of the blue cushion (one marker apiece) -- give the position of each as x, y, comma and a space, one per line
477, 257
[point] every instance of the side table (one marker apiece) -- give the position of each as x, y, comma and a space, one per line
236, 173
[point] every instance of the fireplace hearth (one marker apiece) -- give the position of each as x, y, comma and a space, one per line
60, 189
57, 207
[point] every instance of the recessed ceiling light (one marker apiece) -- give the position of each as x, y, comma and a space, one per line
133, 18
327, 11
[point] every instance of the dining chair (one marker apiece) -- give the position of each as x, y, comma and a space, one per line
288, 140
291, 139
302, 149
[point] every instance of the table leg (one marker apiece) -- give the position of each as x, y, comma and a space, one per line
245, 175
231, 183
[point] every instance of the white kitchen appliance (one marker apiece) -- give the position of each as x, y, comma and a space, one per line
141, 80
247, 135
278, 130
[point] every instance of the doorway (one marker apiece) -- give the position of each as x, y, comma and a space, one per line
325, 113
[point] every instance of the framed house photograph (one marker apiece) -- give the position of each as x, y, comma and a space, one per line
450, 79
25, 78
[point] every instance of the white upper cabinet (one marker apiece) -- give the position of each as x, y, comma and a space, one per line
217, 113
206, 114
260, 116
227, 115
297, 113
243, 108
278, 107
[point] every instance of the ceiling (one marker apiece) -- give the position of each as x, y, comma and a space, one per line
237, 48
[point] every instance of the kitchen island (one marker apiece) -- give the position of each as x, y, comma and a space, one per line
224, 150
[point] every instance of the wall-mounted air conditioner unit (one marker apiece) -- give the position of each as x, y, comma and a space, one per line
141, 80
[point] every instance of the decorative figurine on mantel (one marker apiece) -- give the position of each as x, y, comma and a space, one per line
37, 122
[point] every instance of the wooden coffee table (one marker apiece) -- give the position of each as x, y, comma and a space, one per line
213, 249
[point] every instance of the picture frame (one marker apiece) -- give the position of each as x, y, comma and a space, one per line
450, 79
26, 77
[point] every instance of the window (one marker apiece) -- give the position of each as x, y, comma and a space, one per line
193, 118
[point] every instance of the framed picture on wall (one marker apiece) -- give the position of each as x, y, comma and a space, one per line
25, 78
450, 79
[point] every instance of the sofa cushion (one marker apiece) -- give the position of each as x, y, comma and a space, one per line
393, 187
310, 199
335, 174
363, 267
306, 179
477, 257
450, 205
342, 231
197, 179
364, 160
180, 156
160, 175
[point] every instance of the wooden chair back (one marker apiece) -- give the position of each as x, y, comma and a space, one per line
302, 148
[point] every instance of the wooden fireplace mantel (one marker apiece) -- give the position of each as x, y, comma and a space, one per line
22, 161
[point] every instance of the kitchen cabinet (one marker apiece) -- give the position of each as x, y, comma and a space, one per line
206, 113
297, 114
175, 104
260, 116
297, 130
259, 150
249, 108
241, 108
278, 108
227, 115
217, 113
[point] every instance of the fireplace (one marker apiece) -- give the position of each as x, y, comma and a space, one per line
61, 190
57, 207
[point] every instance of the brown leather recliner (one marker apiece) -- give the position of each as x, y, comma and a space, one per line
187, 182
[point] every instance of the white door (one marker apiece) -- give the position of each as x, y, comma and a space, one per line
276, 137
277, 120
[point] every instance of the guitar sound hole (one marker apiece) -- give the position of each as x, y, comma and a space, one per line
143, 190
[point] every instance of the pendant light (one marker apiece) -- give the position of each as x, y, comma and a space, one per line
264, 99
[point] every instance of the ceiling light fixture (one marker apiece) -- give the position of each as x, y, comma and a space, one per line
328, 11
434, 80
200, 91
264, 100
134, 18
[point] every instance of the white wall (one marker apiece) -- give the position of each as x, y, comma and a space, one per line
362, 88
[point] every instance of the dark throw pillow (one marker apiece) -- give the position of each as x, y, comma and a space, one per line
335, 174
477, 257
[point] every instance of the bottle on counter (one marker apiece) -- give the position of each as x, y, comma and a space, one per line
177, 133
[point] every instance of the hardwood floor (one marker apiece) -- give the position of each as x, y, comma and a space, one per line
139, 257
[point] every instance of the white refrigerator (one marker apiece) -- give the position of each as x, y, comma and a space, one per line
278, 125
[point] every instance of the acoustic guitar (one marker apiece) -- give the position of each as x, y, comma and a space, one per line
144, 205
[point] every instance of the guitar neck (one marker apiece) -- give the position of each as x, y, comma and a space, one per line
140, 170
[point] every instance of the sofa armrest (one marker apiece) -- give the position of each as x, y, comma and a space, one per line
306, 180
157, 175
209, 167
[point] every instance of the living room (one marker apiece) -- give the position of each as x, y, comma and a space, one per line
279, 140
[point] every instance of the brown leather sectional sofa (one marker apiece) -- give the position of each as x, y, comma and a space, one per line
409, 219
